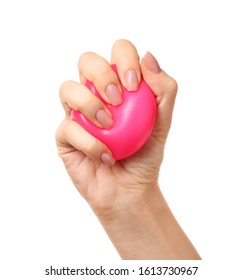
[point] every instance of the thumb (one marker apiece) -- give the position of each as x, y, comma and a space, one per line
165, 90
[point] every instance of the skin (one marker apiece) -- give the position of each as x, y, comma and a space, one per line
124, 195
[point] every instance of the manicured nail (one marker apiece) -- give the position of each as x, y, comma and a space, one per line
107, 159
131, 80
114, 94
104, 118
151, 63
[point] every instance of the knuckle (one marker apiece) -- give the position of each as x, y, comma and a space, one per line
121, 43
123, 46
94, 66
92, 148
66, 127
84, 56
172, 86
63, 88
58, 135
60, 138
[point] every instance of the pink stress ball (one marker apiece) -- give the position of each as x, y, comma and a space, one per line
134, 120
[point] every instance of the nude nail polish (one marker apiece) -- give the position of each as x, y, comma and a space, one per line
107, 159
104, 119
114, 94
131, 80
151, 63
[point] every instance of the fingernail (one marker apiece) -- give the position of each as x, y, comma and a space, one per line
131, 80
114, 94
107, 159
104, 118
151, 63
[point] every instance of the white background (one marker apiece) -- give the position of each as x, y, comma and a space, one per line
44, 221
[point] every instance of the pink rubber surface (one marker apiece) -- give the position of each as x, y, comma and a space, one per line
134, 120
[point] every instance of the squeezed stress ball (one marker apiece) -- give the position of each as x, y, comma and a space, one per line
134, 120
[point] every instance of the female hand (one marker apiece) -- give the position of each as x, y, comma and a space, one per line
123, 194
90, 164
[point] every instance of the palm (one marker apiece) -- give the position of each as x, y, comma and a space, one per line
96, 181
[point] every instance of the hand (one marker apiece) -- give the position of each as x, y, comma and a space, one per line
102, 181
124, 194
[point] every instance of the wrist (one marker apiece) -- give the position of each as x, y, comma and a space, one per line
132, 224
145, 228
129, 205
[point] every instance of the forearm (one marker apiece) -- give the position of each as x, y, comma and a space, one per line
147, 229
